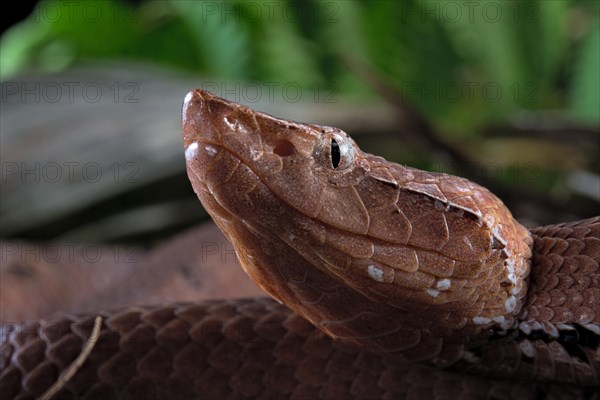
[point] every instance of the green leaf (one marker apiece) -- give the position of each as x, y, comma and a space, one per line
285, 57
554, 36
220, 39
18, 44
585, 93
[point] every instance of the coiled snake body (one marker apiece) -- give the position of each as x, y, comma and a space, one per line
420, 285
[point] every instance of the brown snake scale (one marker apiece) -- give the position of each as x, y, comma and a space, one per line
508, 313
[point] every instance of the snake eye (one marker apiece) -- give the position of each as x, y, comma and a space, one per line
334, 151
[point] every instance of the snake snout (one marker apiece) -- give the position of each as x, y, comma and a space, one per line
199, 112
192, 106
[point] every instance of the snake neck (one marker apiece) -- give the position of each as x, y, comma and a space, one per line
563, 305
557, 337
563, 286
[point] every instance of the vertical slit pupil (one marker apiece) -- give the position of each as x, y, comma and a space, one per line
335, 153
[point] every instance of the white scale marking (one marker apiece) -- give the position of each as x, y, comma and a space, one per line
510, 304
186, 102
593, 327
503, 322
191, 151
525, 328
481, 320
443, 284
375, 273
527, 348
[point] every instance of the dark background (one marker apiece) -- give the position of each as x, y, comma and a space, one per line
19, 11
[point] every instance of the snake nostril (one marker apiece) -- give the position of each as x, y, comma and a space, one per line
284, 148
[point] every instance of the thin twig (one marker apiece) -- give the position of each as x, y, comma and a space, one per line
67, 374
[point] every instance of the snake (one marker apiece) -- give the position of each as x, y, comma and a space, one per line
384, 282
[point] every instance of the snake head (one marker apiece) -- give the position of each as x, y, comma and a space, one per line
362, 247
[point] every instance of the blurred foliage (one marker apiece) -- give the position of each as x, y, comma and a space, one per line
464, 64
513, 84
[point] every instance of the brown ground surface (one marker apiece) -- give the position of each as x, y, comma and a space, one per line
39, 280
